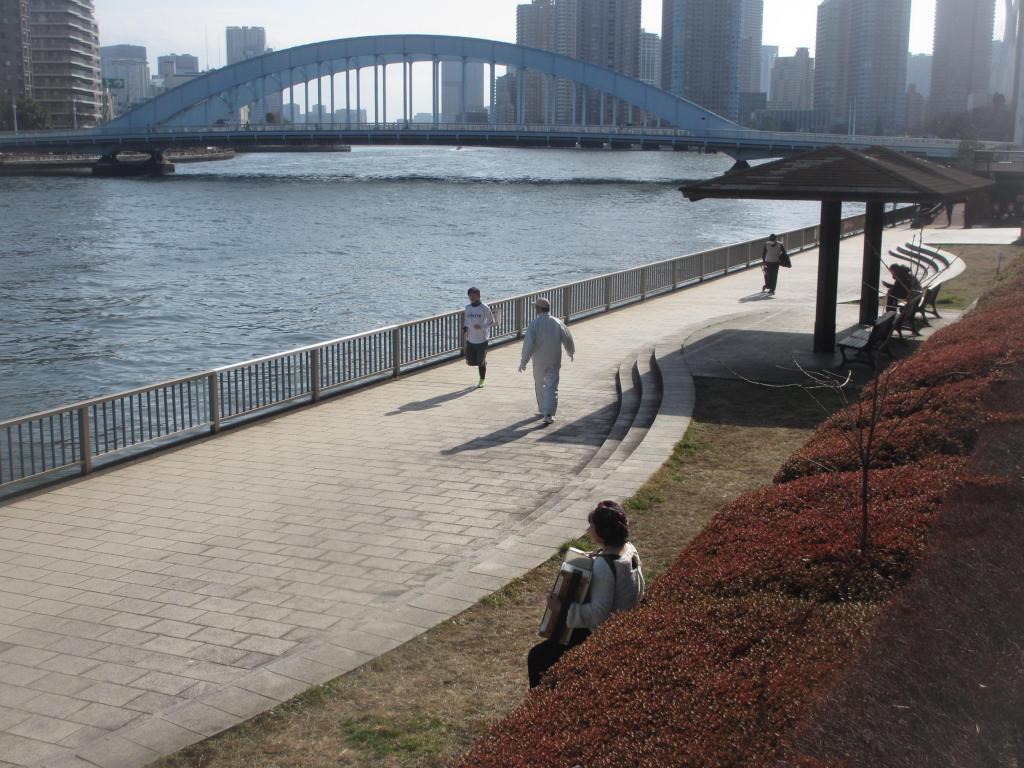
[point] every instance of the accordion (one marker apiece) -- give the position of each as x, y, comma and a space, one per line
571, 586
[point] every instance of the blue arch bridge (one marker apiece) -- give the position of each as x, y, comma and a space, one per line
579, 104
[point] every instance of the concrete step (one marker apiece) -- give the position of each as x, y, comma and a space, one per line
628, 383
629, 386
647, 380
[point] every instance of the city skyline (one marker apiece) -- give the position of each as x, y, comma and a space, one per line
790, 24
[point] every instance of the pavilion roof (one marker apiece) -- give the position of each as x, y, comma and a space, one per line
837, 173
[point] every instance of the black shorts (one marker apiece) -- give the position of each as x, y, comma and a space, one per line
476, 354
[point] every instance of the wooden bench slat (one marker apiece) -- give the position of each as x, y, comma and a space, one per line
865, 341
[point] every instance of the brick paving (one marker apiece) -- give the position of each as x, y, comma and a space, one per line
149, 606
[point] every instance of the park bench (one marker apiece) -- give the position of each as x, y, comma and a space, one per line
932, 268
868, 340
907, 315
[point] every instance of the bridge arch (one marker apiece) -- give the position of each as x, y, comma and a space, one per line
219, 93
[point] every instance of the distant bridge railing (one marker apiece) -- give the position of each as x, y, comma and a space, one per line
105, 429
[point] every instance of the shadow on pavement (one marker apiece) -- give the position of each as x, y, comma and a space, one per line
591, 429
775, 357
760, 296
508, 434
434, 402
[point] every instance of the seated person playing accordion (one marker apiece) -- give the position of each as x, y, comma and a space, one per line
617, 584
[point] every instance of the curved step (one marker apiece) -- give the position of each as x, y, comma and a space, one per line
641, 402
629, 385
665, 405
649, 383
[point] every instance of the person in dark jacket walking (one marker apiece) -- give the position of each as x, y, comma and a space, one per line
771, 258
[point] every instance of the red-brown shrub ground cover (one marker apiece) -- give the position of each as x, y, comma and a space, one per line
912, 425
942, 680
928, 404
760, 616
712, 684
801, 539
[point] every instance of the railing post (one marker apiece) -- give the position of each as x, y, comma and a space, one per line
214, 400
520, 311
314, 375
84, 439
567, 302
643, 283
675, 274
396, 351
703, 255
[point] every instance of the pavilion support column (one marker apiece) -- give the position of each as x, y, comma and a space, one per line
828, 277
871, 276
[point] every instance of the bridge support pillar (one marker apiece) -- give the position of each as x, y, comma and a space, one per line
434, 90
494, 107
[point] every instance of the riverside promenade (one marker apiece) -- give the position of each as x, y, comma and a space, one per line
153, 604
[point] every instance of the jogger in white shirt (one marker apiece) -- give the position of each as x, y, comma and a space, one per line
477, 327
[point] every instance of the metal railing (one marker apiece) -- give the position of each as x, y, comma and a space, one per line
105, 428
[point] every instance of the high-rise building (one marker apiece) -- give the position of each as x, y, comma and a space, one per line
346, 116
751, 30
504, 99
1015, 40
793, 82
919, 73
961, 56
177, 65
609, 36
917, 111
245, 43
769, 53
248, 43
860, 76
701, 52
66, 62
15, 50
125, 72
1004, 53
601, 32
650, 58
462, 99
551, 25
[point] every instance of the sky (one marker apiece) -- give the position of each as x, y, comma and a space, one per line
197, 26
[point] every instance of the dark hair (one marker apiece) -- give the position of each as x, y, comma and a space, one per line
610, 523
473, 290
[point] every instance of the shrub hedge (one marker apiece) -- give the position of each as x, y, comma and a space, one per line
744, 633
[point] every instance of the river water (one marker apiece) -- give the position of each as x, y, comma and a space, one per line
109, 284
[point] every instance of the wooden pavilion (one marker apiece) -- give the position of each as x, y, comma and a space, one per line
835, 175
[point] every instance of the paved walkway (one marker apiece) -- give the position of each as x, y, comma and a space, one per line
149, 606
940, 235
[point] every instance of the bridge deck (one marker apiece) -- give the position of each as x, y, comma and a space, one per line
747, 144
148, 606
